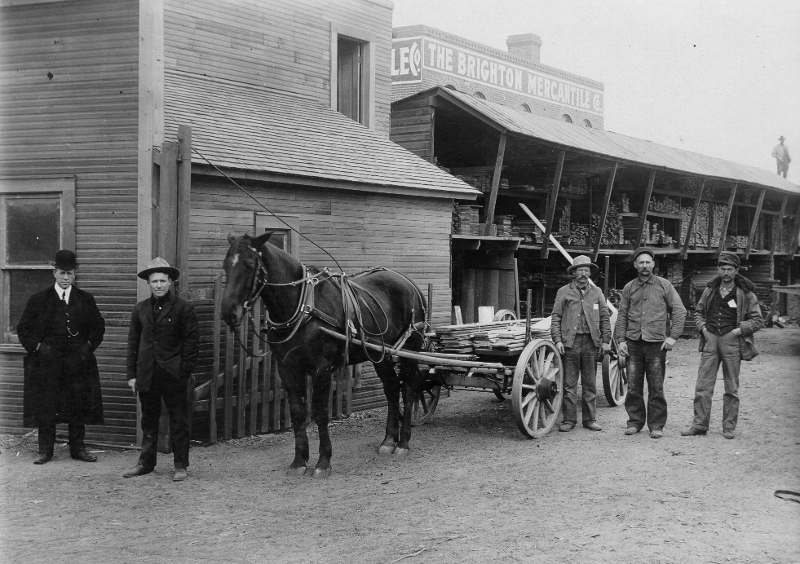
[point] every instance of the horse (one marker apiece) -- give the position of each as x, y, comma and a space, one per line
312, 318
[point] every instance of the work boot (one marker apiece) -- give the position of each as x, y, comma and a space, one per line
592, 426
44, 458
631, 431
728, 433
566, 426
180, 475
138, 470
84, 456
692, 431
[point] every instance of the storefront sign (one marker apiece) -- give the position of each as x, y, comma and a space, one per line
411, 55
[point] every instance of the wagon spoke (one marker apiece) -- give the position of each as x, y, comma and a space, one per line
530, 373
528, 399
542, 416
549, 406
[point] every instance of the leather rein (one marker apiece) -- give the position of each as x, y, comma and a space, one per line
306, 309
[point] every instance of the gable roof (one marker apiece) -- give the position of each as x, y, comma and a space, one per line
243, 127
607, 144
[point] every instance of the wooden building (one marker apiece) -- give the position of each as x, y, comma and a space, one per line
599, 193
125, 125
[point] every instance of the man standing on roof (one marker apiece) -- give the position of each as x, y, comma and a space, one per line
579, 326
644, 335
781, 154
727, 311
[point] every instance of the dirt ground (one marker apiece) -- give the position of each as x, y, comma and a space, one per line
473, 489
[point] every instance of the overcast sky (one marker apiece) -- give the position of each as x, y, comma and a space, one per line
720, 78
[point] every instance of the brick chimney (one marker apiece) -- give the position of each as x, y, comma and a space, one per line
526, 46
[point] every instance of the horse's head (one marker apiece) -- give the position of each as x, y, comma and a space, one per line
241, 273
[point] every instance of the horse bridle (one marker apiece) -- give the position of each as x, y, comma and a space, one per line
305, 306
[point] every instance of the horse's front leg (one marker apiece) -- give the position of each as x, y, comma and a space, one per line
296, 390
319, 413
411, 382
391, 387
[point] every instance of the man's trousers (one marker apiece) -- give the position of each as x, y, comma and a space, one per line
173, 391
580, 358
724, 350
646, 360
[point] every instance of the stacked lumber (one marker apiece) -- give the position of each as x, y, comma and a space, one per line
504, 227
499, 336
466, 220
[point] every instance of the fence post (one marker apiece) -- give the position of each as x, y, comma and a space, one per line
241, 389
254, 366
216, 331
228, 416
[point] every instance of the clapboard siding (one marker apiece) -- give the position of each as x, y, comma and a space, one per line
361, 230
276, 44
83, 123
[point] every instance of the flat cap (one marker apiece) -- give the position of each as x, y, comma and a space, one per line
729, 258
643, 250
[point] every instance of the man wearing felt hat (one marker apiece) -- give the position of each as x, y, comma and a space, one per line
60, 328
781, 155
649, 322
163, 344
579, 325
726, 313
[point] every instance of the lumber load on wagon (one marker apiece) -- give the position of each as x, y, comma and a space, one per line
507, 336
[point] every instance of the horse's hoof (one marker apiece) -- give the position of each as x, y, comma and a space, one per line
400, 451
322, 472
386, 449
299, 471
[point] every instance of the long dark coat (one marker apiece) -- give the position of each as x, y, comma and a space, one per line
47, 394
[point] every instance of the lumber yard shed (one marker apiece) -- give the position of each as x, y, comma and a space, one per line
598, 193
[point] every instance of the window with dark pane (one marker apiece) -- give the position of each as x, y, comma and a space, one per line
22, 285
33, 230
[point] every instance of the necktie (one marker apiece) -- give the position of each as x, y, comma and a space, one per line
64, 297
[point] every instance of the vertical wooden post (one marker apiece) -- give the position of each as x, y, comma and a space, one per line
551, 207
228, 410
608, 275
498, 169
604, 211
792, 249
241, 388
276, 396
166, 227
215, 364
777, 228
728, 211
255, 363
184, 206
529, 299
692, 220
645, 208
753, 227
517, 307
429, 313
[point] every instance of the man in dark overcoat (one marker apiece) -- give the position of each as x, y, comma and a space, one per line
163, 344
60, 328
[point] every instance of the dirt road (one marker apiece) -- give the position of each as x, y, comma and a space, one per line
473, 489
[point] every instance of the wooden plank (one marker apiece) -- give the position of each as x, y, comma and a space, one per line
693, 219
604, 212
348, 395
255, 363
468, 306
754, 227
516, 289
265, 379
778, 226
645, 205
724, 231
216, 334
241, 381
553, 203
498, 169
227, 432
184, 206
167, 204
276, 396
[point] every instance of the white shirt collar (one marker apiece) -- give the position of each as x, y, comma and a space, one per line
61, 291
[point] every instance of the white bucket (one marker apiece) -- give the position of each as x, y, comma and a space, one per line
485, 314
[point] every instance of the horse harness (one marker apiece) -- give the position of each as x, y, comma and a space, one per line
352, 306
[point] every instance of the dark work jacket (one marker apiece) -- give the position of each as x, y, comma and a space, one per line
748, 312
172, 340
568, 306
47, 395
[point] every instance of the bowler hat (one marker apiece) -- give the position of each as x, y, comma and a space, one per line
582, 260
159, 265
65, 260
729, 258
643, 250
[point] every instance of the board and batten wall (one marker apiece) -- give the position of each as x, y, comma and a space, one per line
276, 44
409, 234
69, 108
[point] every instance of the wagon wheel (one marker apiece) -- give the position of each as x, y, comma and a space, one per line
615, 376
425, 403
538, 388
504, 315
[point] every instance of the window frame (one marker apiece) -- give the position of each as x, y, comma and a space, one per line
367, 94
267, 222
10, 188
